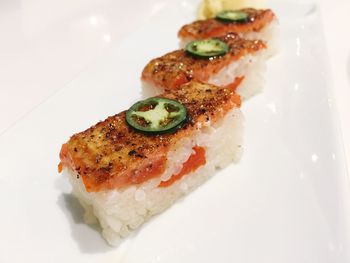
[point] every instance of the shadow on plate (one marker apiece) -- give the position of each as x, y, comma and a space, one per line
88, 237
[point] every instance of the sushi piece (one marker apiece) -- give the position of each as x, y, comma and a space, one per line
249, 23
218, 61
135, 164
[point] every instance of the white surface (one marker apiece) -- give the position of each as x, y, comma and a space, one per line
287, 201
336, 21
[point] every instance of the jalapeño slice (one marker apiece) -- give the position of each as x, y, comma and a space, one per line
232, 16
207, 48
156, 115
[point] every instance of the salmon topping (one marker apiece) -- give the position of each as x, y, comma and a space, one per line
201, 29
196, 160
178, 67
112, 155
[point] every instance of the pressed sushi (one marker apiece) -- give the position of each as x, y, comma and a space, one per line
249, 23
239, 58
135, 164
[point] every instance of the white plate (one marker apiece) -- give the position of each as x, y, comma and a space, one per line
287, 201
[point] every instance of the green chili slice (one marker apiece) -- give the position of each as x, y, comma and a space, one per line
232, 16
156, 115
207, 48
